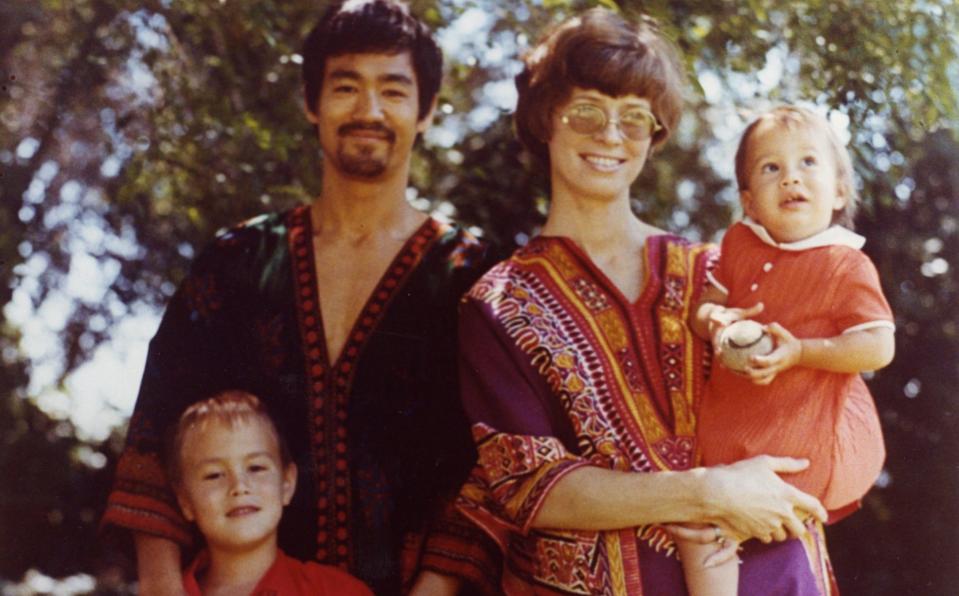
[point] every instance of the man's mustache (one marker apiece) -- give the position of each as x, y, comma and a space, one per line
346, 129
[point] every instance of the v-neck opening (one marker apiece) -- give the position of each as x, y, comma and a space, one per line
328, 384
643, 343
604, 280
375, 304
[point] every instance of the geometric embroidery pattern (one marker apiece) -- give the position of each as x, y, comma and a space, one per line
626, 385
329, 383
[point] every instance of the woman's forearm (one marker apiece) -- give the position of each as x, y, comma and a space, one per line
748, 498
592, 498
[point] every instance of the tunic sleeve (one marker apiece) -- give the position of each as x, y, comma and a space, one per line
455, 546
860, 303
523, 441
184, 363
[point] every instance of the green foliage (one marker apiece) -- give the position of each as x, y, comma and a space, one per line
156, 122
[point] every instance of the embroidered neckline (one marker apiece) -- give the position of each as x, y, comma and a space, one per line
655, 408
328, 383
650, 277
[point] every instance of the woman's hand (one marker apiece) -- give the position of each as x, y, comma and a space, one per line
749, 499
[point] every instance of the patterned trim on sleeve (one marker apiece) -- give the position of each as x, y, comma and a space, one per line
140, 501
517, 471
457, 547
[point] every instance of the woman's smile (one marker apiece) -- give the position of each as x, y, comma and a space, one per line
603, 163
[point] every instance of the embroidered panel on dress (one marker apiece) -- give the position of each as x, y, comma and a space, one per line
519, 470
640, 335
578, 562
540, 325
629, 347
683, 359
329, 384
576, 335
575, 565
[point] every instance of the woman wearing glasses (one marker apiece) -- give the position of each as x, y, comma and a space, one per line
578, 369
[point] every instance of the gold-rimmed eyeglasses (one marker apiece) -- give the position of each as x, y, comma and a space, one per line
636, 123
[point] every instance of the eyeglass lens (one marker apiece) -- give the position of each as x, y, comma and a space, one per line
636, 124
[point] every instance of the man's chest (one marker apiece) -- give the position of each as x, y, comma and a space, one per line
346, 279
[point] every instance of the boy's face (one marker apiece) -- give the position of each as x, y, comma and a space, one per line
234, 486
793, 181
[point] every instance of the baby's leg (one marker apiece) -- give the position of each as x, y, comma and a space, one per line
721, 580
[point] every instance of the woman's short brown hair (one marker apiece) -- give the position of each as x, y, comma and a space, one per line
792, 117
598, 50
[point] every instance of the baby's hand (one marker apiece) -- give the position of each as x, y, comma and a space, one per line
763, 369
722, 317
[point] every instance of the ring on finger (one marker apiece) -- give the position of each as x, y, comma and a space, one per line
718, 535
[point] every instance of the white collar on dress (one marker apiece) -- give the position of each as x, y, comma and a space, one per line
834, 235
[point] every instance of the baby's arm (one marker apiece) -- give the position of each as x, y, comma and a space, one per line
853, 352
712, 303
710, 316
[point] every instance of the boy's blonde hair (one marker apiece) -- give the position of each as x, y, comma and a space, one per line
795, 117
233, 408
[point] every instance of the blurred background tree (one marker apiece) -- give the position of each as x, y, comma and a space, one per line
131, 130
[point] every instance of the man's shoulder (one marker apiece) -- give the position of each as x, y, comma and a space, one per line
260, 228
461, 247
240, 250
255, 237
456, 257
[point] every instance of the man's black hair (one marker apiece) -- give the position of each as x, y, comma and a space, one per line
377, 27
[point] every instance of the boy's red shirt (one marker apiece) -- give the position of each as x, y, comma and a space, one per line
288, 577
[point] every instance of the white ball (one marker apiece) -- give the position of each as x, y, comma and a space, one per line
742, 340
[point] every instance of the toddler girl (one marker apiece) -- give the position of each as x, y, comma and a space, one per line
794, 265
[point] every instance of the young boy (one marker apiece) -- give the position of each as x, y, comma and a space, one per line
794, 265
232, 475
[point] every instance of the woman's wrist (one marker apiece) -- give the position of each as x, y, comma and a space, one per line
710, 494
693, 494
